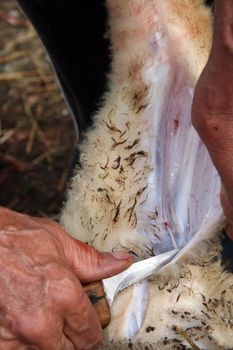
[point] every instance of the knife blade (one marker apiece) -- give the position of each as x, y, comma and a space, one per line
102, 293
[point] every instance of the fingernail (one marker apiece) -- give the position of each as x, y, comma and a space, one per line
121, 255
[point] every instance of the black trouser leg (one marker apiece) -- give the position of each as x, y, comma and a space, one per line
72, 32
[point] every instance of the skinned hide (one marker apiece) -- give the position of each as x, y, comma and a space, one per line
146, 183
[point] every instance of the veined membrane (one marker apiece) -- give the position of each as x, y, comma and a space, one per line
146, 183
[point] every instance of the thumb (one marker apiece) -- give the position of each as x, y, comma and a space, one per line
91, 265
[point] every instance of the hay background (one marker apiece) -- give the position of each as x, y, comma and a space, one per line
36, 132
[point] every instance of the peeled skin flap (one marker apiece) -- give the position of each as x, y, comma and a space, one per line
146, 183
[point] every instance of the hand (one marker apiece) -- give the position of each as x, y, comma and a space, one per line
42, 302
212, 110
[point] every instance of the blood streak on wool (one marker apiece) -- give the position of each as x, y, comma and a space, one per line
105, 166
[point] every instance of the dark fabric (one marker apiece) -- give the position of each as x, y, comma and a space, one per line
227, 253
209, 2
73, 33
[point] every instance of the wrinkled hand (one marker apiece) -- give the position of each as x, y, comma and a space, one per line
42, 302
212, 112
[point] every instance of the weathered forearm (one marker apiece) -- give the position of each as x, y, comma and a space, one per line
223, 26
218, 74
212, 112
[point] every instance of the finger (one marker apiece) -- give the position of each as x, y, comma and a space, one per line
82, 325
9, 341
63, 344
51, 342
84, 339
91, 265
88, 264
69, 305
13, 345
212, 110
44, 332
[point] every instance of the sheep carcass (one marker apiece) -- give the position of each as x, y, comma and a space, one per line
146, 183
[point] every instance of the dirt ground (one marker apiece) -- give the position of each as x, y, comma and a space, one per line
36, 131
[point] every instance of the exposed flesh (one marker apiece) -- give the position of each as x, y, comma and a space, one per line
147, 184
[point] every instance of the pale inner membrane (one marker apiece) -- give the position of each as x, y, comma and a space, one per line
183, 186
186, 185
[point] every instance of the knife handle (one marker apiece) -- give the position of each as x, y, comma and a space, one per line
97, 296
